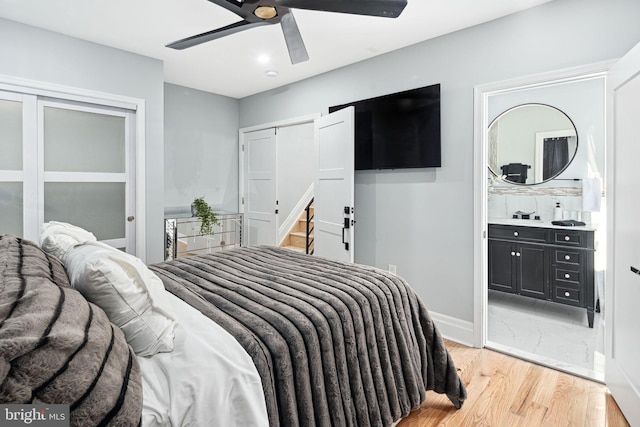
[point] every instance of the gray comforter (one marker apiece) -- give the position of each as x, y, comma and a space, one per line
334, 343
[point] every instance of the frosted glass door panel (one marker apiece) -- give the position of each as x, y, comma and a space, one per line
10, 135
11, 208
98, 207
80, 141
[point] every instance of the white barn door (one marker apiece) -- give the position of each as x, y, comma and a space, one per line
334, 192
260, 199
623, 265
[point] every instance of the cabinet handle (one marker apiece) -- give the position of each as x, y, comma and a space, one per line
515, 233
513, 253
567, 294
517, 253
567, 257
567, 276
567, 238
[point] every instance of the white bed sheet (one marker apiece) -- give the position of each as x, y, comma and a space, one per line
207, 380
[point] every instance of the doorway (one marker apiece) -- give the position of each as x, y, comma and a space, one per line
275, 177
278, 176
541, 329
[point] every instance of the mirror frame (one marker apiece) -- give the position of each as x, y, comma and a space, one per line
538, 144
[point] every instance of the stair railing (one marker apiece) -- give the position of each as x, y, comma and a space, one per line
309, 229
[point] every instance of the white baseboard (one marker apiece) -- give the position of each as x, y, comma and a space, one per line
453, 328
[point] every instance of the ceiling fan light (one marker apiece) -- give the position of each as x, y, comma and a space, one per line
265, 12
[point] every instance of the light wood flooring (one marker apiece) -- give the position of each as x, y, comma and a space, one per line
505, 391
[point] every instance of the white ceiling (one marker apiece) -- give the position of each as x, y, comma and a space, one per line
230, 66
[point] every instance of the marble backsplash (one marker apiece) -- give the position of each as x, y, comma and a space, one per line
504, 201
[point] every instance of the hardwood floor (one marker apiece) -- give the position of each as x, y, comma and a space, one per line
505, 391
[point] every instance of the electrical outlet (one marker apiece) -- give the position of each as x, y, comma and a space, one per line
392, 268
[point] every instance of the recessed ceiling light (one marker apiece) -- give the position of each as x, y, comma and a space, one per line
263, 59
271, 73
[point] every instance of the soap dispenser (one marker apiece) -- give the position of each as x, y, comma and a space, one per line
557, 212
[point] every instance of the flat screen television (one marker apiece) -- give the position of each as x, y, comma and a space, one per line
397, 131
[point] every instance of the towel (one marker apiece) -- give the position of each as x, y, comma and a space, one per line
591, 194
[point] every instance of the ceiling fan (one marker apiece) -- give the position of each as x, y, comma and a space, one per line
255, 13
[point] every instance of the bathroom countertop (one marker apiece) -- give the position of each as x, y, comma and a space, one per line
538, 223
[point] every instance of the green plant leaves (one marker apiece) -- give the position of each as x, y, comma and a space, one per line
206, 216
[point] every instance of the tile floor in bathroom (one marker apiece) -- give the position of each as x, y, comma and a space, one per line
548, 333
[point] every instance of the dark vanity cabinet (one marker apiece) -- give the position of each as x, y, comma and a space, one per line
545, 263
519, 268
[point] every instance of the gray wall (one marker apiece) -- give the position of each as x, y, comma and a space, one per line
35, 54
200, 148
422, 220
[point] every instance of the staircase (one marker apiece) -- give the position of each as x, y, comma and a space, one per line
296, 240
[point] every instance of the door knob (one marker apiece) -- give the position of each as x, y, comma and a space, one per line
131, 218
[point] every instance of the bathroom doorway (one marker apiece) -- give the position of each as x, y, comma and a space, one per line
541, 328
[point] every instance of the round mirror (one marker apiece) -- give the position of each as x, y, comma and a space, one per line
531, 143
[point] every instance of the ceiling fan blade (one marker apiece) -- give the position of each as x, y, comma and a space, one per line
385, 8
215, 34
231, 6
295, 45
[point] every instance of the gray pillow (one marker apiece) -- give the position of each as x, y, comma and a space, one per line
56, 347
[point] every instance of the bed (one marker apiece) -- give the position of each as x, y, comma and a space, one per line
252, 336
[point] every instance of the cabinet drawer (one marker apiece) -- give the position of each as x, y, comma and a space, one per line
568, 295
567, 256
569, 238
527, 234
567, 274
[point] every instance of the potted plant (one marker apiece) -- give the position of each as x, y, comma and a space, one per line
207, 217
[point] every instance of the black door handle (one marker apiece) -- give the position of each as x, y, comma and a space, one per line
346, 227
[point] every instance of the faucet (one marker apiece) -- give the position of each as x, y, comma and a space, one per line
525, 215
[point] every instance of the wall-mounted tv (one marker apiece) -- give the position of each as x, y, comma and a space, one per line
397, 131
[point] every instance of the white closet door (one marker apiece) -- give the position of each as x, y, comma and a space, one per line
86, 168
18, 168
11, 164
67, 162
260, 190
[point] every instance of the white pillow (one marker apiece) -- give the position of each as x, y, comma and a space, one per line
133, 297
57, 237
